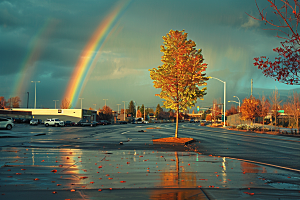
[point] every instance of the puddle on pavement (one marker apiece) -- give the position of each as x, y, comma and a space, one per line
67, 169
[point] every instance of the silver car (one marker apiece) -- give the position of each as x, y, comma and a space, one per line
34, 122
6, 123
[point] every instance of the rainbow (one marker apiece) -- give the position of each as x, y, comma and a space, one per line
89, 54
36, 47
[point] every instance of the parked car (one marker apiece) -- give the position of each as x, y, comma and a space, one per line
94, 123
122, 122
192, 121
104, 122
34, 122
27, 121
145, 122
18, 120
69, 123
86, 122
54, 122
6, 123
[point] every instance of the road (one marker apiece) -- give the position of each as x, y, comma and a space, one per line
282, 151
122, 161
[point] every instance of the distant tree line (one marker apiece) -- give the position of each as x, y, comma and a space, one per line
252, 108
13, 102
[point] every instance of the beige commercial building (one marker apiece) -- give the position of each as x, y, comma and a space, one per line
63, 114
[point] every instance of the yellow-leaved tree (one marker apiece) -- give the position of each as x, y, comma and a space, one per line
249, 108
181, 74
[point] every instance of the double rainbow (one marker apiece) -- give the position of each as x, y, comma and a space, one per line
36, 46
89, 54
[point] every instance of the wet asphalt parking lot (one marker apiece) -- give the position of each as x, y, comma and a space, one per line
40, 162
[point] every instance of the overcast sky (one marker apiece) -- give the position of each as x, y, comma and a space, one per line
41, 40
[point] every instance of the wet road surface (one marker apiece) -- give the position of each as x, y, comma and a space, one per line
90, 163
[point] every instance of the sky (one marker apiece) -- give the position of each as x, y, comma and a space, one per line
48, 41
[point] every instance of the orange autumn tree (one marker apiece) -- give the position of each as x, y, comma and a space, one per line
2, 103
292, 107
181, 74
139, 113
249, 108
263, 109
65, 104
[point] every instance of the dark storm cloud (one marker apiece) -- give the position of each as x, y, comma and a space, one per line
22, 21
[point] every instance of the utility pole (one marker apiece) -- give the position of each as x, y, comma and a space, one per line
55, 102
144, 113
251, 86
35, 92
81, 102
105, 101
95, 106
118, 108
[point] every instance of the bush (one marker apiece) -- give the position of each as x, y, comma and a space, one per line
242, 127
248, 127
265, 129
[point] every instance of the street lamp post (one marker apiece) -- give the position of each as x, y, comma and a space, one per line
95, 106
239, 103
35, 92
55, 102
81, 102
118, 108
224, 99
105, 101
27, 98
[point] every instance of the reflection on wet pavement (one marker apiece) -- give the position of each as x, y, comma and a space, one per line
74, 169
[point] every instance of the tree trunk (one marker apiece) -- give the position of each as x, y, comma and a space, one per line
297, 124
275, 121
177, 116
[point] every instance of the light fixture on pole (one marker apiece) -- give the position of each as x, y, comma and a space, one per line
81, 102
35, 92
239, 103
224, 98
233, 102
105, 101
55, 102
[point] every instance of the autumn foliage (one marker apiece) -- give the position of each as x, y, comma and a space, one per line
249, 108
65, 104
181, 74
292, 107
2, 102
263, 108
231, 111
13, 102
284, 68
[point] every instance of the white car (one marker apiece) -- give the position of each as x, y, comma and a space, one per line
6, 123
54, 122
34, 122
145, 122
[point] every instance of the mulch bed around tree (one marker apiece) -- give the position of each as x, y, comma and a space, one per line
174, 140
